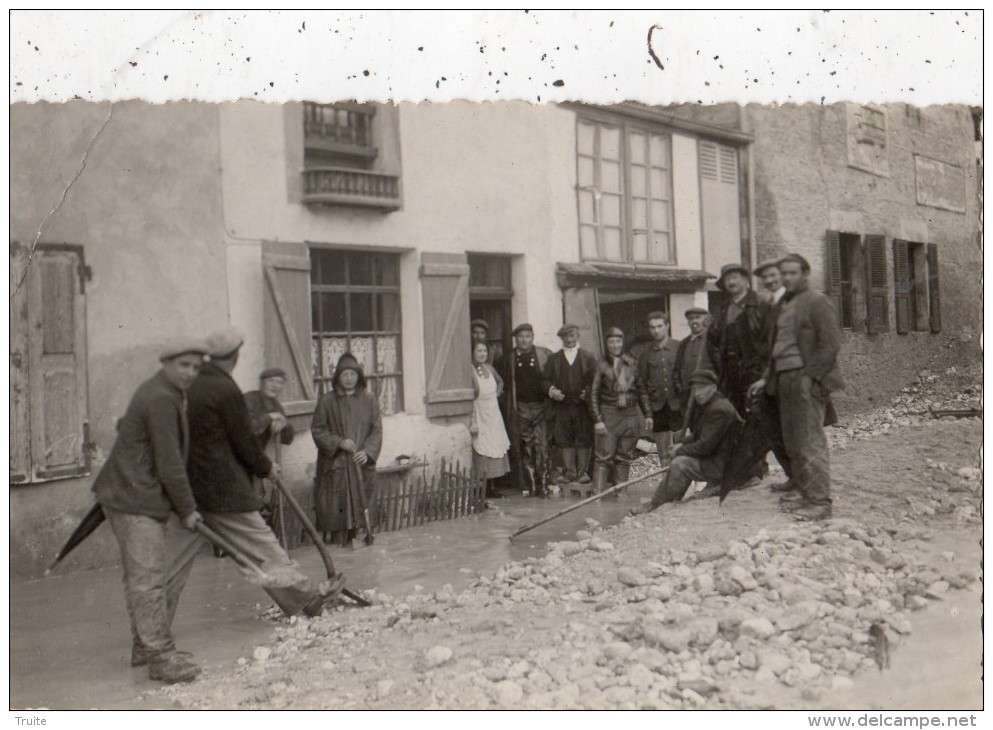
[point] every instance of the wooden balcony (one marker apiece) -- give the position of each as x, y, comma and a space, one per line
348, 186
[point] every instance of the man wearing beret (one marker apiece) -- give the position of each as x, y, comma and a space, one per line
524, 402
692, 354
701, 454
142, 483
566, 379
268, 419
660, 401
768, 272
480, 332
224, 455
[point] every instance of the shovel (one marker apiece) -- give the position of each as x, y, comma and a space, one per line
369, 539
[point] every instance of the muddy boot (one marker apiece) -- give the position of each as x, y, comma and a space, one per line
583, 465
142, 656
569, 467
172, 667
600, 474
622, 472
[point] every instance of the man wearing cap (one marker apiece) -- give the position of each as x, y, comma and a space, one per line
701, 454
691, 355
738, 339
566, 379
224, 454
802, 372
768, 272
268, 420
615, 395
524, 402
142, 483
480, 332
659, 400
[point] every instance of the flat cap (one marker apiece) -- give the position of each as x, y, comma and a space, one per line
223, 343
182, 346
703, 377
614, 332
523, 327
480, 323
768, 263
566, 329
696, 310
727, 269
272, 373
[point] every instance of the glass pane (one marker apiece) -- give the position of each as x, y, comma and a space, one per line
390, 401
659, 150
315, 356
639, 175
610, 177
327, 267
610, 143
359, 268
639, 214
388, 312
636, 147
659, 182
386, 354
660, 216
361, 312
364, 351
587, 213
332, 313
586, 171
610, 209
640, 241
661, 248
334, 347
385, 269
587, 242
584, 138
612, 244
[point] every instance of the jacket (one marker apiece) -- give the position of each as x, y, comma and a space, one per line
710, 429
259, 407
658, 394
339, 416
613, 389
739, 350
680, 379
818, 337
554, 370
145, 473
224, 453
505, 368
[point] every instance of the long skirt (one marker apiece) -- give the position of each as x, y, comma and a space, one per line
337, 502
486, 467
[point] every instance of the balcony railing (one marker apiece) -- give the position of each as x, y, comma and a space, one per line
347, 186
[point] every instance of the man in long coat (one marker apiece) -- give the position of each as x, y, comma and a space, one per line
348, 430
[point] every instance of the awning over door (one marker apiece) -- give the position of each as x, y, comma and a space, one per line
631, 276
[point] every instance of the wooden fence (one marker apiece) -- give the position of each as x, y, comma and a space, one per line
449, 494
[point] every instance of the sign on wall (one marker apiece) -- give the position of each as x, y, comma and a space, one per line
940, 184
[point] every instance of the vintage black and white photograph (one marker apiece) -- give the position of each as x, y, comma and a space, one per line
509, 360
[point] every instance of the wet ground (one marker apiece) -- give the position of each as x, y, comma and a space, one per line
69, 639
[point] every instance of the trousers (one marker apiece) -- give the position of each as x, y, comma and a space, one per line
801, 410
683, 471
620, 444
532, 434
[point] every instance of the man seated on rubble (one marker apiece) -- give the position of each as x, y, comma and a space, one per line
701, 454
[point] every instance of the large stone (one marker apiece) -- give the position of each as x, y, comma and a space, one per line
737, 550
640, 676
631, 577
776, 662
675, 640
703, 631
757, 628
437, 655
617, 651
937, 590
507, 694
742, 577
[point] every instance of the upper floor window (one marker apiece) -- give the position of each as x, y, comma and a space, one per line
625, 193
867, 139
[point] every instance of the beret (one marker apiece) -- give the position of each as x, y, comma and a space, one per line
704, 377
525, 327
223, 342
565, 329
480, 323
696, 310
727, 269
181, 346
272, 373
614, 332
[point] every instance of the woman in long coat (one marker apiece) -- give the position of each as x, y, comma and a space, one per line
490, 443
348, 430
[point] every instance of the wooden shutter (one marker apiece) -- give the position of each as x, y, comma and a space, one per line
934, 290
581, 307
902, 285
56, 316
20, 423
832, 270
445, 295
877, 317
288, 340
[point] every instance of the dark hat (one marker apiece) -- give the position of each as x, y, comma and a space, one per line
614, 332
224, 342
348, 362
480, 323
703, 377
696, 310
768, 263
272, 373
525, 327
565, 329
727, 269
182, 346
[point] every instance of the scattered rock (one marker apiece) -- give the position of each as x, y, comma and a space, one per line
631, 577
261, 653
437, 655
507, 694
937, 590
757, 628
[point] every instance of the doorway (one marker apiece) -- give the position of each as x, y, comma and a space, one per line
629, 310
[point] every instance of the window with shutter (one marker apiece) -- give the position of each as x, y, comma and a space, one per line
49, 414
832, 270
877, 309
445, 297
934, 290
903, 286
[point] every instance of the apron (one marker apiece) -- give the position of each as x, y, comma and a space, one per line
491, 439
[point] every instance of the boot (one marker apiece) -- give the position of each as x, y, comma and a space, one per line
622, 472
569, 464
539, 486
172, 667
600, 474
583, 465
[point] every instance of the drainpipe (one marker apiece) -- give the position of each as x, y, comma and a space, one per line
749, 154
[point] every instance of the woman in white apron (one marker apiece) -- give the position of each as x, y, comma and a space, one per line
489, 437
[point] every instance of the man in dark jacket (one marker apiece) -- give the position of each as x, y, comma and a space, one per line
270, 425
524, 405
802, 371
660, 401
223, 457
615, 396
567, 379
700, 456
142, 483
691, 355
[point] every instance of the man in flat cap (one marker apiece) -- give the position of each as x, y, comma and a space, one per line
141, 485
701, 454
224, 455
691, 355
660, 400
524, 406
480, 332
615, 396
566, 379
768, 272
270, 426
